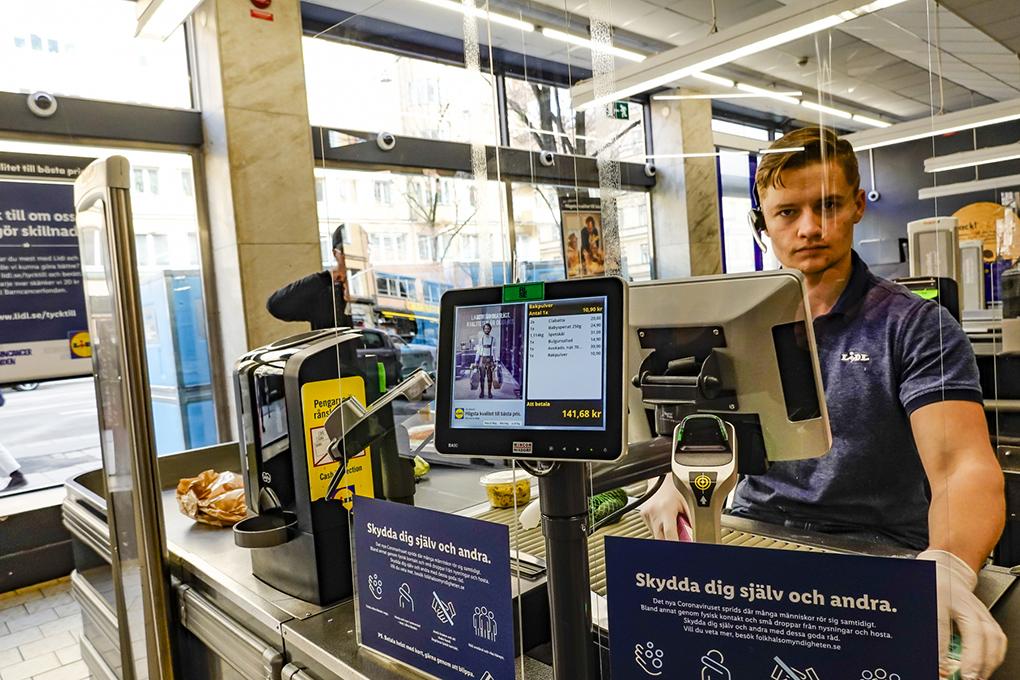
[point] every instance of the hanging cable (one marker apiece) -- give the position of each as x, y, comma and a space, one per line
714, 27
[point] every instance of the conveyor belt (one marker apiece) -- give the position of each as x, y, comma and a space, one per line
533, 542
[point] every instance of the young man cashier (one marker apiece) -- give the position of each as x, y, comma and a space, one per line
904, 401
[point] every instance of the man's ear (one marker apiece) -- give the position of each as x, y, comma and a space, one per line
860, 203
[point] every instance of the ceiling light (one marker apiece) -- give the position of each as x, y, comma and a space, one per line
782, 96
480, 13
788, 97
162, 17
585, 42
771, 29
966, 159
873, 122
787, 149
839, 113
709, 78
969, 187
933, 126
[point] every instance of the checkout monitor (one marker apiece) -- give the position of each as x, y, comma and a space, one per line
533, 371
740, 346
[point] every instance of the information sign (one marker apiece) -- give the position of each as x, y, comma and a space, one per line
43, 323
720, 613
434, 590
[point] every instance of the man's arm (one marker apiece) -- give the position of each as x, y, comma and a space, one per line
968, 507
294, 301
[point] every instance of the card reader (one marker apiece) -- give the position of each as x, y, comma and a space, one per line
704, 466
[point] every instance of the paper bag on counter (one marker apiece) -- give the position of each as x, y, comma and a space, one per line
212, 497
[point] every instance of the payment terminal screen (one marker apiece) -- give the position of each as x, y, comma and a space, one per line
530, 365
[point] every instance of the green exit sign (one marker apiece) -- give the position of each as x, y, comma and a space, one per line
621, 111
524, 292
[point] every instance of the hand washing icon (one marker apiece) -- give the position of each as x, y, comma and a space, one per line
648, 658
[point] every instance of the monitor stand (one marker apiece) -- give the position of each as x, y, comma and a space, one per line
563, 499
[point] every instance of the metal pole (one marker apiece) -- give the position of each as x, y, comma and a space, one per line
564, 502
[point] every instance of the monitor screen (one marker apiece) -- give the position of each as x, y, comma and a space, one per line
531, 365
532, 371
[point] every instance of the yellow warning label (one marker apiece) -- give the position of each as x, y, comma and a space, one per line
318, 399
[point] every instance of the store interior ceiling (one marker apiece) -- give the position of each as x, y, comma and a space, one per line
884, 65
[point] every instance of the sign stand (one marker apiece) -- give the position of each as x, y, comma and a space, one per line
563, 499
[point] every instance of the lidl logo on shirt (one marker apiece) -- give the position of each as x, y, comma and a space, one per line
853, 357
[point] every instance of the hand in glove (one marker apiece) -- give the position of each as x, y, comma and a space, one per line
984, 643
660, 511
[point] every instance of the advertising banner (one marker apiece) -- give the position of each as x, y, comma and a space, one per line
43, 322
434, 590
720, 613
584, 251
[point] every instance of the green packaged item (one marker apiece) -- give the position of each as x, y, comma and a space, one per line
605, 504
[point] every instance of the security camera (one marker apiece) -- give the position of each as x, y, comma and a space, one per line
650, 169
873, 195
547, 158
42, 104
386, 141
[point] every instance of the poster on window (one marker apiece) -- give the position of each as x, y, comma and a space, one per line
584, 252
43, 322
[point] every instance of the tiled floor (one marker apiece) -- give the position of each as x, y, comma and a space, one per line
39, 631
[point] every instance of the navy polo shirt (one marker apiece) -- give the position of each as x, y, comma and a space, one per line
884, 353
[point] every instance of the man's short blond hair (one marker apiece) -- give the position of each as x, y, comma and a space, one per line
819, 145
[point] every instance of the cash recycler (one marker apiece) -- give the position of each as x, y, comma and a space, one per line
302, 468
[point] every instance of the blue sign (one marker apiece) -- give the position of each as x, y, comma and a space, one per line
434, 590
43, 322
687, 610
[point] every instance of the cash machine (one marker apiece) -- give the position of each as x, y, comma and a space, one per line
302, 469
695, 380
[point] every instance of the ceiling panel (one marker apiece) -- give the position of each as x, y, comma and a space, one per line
1000, 19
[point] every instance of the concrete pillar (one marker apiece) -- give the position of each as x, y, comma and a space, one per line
258, 165
685, 201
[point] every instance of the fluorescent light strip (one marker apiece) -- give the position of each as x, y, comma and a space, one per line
709, 78
480, 13
923, 128
873, 122
969, 187
839, 113
684, 61
968, 159
162, 17
714, 154
585, 42
732, 95
788, 97
788, 149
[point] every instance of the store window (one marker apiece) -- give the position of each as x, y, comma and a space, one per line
735, 176
740, 129
540, 118
166, 225
71, 48
393, 285
540, 244
397, 94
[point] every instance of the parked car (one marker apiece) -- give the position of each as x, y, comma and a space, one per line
413, 357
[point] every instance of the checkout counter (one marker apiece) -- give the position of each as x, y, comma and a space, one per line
230, 623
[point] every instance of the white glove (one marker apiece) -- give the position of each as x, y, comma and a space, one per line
984, 643
660, 511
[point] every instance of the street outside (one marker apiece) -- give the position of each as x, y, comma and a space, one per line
52, 431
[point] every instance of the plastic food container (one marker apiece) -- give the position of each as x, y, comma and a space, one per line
502, 486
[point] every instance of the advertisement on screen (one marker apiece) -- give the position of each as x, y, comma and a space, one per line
43, 322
